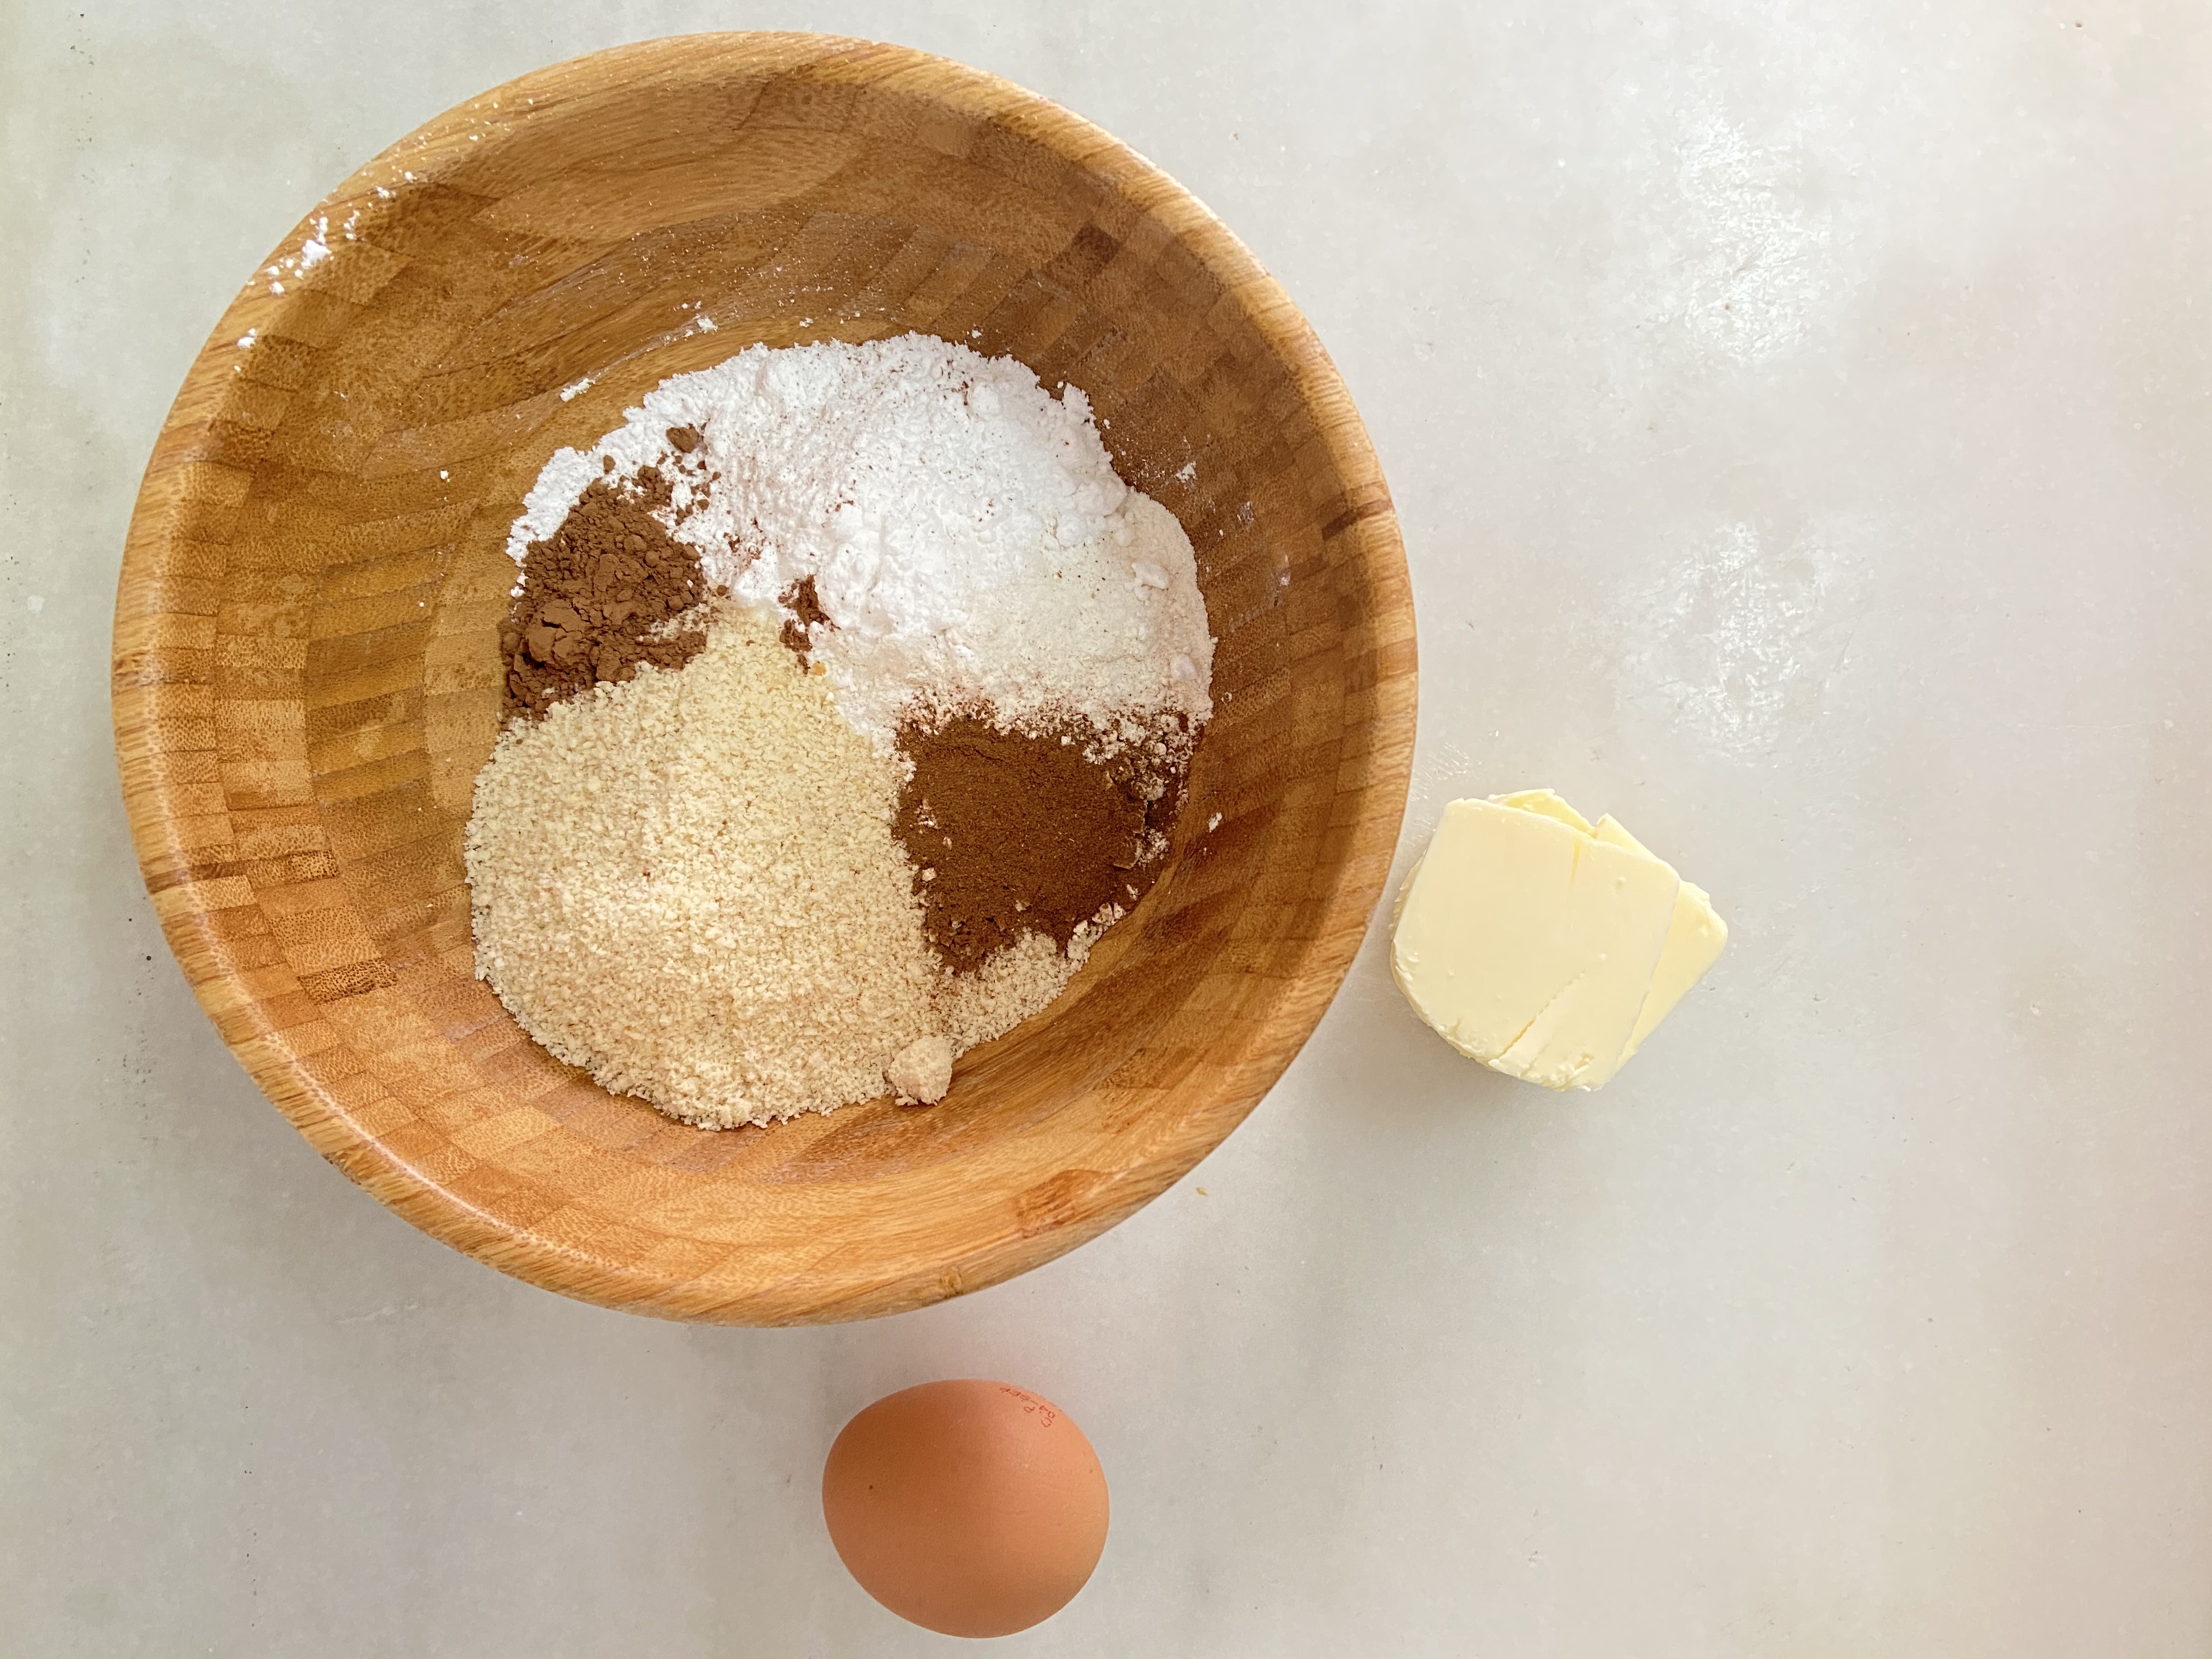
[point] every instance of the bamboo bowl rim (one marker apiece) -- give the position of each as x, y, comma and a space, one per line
165, 772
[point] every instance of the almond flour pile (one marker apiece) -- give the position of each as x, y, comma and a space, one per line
849, 697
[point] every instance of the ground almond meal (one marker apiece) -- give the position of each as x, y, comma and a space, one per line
687, 884
796, 804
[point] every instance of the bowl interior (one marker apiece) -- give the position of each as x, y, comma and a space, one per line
307, 677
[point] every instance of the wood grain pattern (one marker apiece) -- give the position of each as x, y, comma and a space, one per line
306, 673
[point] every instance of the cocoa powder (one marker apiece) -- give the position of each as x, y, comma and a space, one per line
807, 614
595, 596
1012, 832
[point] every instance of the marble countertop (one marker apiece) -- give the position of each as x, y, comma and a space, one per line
1799, 418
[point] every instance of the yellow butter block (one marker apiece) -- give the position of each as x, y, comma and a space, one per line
1545, 947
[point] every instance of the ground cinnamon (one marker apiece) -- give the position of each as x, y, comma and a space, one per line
595, 595
1012, 832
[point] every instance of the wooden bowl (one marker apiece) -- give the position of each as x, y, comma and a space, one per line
306, 677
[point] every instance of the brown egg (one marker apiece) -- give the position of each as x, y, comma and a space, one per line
970, 1508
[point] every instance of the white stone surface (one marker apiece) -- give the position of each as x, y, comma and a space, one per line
1800, 418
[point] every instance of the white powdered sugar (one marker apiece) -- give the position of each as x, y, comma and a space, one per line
963, 531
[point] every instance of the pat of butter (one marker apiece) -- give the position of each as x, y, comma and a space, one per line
1695, 940
1545, 947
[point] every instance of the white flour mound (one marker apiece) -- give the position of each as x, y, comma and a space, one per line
964, 530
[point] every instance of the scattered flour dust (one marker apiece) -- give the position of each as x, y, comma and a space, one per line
965, 533
687, 885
